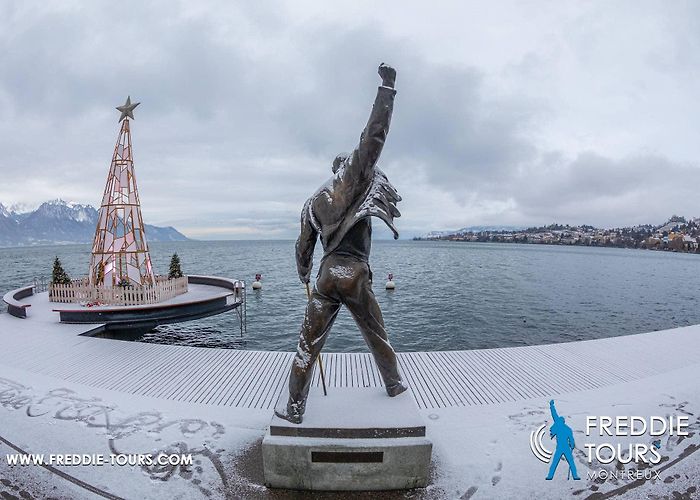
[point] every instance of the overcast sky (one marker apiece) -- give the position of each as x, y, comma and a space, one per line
520, 113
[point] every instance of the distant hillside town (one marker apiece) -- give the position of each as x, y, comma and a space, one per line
678, 234
61, 222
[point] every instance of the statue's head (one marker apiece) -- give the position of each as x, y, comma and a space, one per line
339, 160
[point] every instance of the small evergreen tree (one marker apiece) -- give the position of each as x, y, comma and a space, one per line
58, 274
175, 269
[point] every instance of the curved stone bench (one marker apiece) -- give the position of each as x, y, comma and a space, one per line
237, 286
13, 297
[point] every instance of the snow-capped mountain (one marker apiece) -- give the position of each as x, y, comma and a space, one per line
8, 225
471, 229
479, 229
437, 234
21, 208
4, 211
58, 222
59, 209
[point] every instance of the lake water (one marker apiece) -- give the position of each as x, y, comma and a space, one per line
449, 295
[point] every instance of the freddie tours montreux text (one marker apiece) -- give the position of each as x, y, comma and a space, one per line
633, 440
631, 426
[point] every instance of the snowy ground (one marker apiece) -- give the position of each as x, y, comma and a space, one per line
479, 451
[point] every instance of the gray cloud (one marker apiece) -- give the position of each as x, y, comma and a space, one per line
244, 108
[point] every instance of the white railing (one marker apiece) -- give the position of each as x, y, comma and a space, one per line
82, 292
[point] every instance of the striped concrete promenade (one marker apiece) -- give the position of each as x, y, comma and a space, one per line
254, 379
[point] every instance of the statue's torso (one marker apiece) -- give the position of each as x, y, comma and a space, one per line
341, 211
357, 242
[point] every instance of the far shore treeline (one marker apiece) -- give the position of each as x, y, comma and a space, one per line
678, 235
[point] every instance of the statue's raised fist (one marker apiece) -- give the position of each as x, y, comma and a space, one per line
388, 75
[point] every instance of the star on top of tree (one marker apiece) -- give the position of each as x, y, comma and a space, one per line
127, 109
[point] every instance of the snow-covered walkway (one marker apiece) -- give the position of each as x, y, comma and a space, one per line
65, 393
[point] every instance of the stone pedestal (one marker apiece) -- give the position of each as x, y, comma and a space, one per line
352, 439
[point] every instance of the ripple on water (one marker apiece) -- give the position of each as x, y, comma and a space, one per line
448, 296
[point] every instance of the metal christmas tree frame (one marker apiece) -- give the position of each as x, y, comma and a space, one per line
120, 250
120, 272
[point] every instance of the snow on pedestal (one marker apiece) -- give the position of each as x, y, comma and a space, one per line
352, 439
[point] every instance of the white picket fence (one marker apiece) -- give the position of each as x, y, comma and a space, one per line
80, 291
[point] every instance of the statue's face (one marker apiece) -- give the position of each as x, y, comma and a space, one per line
339, 160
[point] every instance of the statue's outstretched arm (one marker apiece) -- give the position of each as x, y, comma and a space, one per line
365, 156
306, 243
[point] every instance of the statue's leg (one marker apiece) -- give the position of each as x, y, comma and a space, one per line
321, 312
360, 301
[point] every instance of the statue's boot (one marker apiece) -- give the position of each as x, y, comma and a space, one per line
396, 389
294, 413
294, 418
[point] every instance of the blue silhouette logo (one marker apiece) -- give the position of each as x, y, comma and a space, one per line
565, 444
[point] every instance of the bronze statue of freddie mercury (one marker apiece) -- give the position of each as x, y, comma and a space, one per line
339, 213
